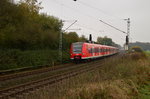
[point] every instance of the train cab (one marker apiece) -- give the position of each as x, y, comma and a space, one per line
76, 50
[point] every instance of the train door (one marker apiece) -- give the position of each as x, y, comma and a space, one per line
93, 51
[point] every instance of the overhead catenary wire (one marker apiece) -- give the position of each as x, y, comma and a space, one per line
91, 17
83, 26
99, 10
86, 27
70, 25
90, 29
74, 10
78, 11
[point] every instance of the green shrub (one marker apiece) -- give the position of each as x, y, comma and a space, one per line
14, 58
136, 49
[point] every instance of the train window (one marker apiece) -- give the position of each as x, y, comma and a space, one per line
90, 50
96, 50
87, 47
77, 47
93, 50
103, 50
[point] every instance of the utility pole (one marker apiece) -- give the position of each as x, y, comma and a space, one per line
61, 40
60, 46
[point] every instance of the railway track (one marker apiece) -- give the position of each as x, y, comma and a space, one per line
58, 74
20, 78
17, 79
33, 72
19, 90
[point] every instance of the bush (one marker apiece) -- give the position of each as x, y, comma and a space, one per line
136, 49
14, 58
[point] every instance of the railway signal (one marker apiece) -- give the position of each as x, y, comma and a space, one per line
128, 33
90, 38
127, 40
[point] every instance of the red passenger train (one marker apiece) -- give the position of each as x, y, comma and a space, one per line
82, 50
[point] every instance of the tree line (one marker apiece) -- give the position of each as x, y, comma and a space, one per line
107, 41
22, 27
144, 45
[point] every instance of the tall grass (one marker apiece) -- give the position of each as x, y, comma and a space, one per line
119, 78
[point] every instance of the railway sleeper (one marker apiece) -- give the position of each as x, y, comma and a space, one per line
37, 85
19, 96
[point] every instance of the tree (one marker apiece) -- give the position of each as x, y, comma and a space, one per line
32, 5
136, 49
71, 37
83, 38
144, 45
105, 41
22, 27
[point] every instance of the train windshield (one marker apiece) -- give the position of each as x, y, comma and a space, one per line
77, 47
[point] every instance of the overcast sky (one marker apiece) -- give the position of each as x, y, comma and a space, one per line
89, 12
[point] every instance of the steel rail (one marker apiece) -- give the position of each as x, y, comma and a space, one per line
39, 71
24, 88
33, 72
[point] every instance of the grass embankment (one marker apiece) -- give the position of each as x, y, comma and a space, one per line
14, 58
120, 78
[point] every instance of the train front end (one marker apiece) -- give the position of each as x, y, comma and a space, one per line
76, 51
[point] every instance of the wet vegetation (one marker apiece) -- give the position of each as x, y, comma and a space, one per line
120, 78
30, 38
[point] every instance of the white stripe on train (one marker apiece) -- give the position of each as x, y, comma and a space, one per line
95, 56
